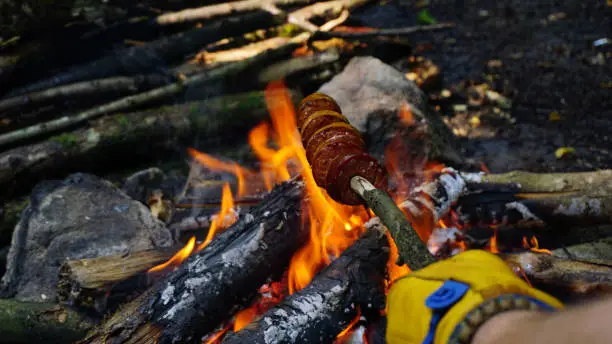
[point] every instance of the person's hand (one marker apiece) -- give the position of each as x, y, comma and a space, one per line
447, 301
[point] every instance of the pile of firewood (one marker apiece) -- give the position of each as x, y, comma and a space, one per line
150, 85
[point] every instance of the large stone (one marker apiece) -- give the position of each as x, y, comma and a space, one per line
80, 217
371, 94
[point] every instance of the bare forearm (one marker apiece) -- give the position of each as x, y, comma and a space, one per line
582, 324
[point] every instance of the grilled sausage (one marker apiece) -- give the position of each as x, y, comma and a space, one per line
335, 149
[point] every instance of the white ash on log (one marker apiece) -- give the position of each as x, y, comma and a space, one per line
217, 281
320, 311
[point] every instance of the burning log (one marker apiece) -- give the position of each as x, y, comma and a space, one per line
88, 283
216, 281
33, 322
320, 311
150, 129
572, 276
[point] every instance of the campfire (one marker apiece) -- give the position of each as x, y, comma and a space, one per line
304, 162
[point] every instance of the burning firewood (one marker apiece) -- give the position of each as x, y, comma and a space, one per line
88, 282
320, 311
548, 271
216, 281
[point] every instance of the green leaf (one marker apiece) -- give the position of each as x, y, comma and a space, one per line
425, 18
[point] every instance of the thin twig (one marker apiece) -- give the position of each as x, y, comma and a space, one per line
113, 84
223, 9
145, 97
383, 32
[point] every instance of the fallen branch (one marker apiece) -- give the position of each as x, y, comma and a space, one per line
87, 283
283, 69
33, 322
218, 280
320, 311
523, 199
227, 8
373, 33
150, 57
96, 88
122, 104
329, 9
124, 135
575, 277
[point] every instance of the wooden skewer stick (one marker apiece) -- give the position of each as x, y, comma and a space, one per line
411, 249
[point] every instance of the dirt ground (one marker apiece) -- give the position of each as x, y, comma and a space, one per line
542, 55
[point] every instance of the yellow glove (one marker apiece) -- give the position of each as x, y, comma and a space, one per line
463, 292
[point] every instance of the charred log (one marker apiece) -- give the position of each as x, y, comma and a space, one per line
217, 281
88, 283
319, 312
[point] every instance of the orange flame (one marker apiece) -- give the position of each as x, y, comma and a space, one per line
395, 271
349, 329
493, 243
405, 115
333, 226
244, 317
216, 338
222, 166
224, 219
178, 257
534, 246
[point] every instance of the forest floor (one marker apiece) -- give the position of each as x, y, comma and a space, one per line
543, 55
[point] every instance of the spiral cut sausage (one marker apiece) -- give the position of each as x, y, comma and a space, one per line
335, 149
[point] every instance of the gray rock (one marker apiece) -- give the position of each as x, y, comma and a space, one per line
371, 94
369, 88
80, 217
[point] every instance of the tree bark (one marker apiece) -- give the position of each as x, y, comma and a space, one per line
146, 133
33, 322
149, 57
320, 311
218, 280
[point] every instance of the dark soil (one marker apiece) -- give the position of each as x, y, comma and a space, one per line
538, 53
